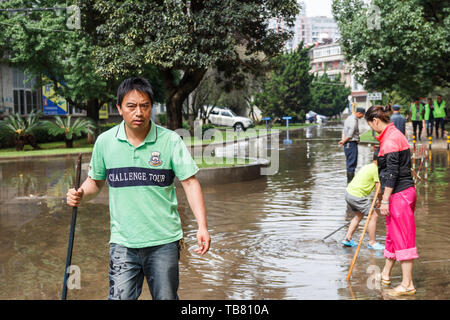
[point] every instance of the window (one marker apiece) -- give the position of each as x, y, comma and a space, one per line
26, 98
214, 111
226, 114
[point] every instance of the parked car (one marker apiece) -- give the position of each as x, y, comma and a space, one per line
226, 117
312, 117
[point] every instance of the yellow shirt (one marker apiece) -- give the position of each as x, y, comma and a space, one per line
364, 181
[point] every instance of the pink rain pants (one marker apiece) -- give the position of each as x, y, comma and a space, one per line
400, 226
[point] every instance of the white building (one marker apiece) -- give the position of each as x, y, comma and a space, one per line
329, 58
310, 30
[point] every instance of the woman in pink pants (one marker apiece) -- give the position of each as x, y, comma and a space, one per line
398, 199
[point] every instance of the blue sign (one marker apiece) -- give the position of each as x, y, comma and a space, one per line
287, 118
266, 119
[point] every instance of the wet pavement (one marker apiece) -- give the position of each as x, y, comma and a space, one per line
266, 233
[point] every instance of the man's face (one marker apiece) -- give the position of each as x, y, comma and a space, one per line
439, 99
136, 110
359, 115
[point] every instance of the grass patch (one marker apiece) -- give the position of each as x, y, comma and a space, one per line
219, 162
367, 137
226, 134
280, 126
48, 149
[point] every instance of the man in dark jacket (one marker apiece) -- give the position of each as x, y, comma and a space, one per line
397, 119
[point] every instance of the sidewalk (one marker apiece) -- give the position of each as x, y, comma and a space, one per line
437, 144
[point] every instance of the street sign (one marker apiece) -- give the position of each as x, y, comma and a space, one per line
287, 118
265, 119
374, 96
52, 103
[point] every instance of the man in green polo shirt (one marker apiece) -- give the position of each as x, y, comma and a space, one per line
140, 161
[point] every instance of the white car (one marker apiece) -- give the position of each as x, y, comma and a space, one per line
227, 118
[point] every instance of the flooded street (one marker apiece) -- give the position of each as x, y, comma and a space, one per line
266, 233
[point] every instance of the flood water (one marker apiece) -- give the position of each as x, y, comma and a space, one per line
266, 233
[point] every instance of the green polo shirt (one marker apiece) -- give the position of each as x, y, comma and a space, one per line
142, 198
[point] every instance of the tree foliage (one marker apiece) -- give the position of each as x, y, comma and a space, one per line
172, 35
21, 128
69, 129
396, 45
329, 97
286, 91
40, 43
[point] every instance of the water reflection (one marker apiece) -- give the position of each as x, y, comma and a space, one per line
266, 233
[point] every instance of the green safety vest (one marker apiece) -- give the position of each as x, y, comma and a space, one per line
414, 112
427, 112
439, 110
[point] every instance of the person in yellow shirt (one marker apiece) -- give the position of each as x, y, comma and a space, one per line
358, 199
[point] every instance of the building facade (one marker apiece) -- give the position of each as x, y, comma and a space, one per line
20, 93
329, 59
309, 30
312, 30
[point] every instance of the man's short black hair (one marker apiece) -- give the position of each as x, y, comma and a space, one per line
361, 110
134, 83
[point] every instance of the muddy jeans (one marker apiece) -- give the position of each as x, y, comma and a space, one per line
128, 266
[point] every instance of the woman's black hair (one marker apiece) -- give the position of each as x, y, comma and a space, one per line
134, 83
380, 112
375, 153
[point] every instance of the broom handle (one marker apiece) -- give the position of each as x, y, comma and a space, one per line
72, 232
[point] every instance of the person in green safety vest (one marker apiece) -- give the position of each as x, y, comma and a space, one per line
429, 117
440, 113
416, 116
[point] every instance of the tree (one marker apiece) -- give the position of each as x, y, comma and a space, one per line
329, 97
40, 43
21, 129
396, 45
190, 36
286, 91
68, 129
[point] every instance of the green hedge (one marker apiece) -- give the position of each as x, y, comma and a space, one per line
106, 126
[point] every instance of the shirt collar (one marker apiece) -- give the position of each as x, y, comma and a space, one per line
388, 128
151, 135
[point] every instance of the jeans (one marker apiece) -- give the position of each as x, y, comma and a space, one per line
439, 122
128, 266
351, 155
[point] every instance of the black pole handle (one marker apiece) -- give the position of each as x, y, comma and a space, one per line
72, 231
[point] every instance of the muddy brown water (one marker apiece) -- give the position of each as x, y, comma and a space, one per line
266, 233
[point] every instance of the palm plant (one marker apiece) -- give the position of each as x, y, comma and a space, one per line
22, 129
68, 129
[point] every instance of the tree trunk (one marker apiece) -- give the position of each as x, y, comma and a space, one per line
177, 93
174, 106
92, 109
31, 140
69, 143
20, 143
